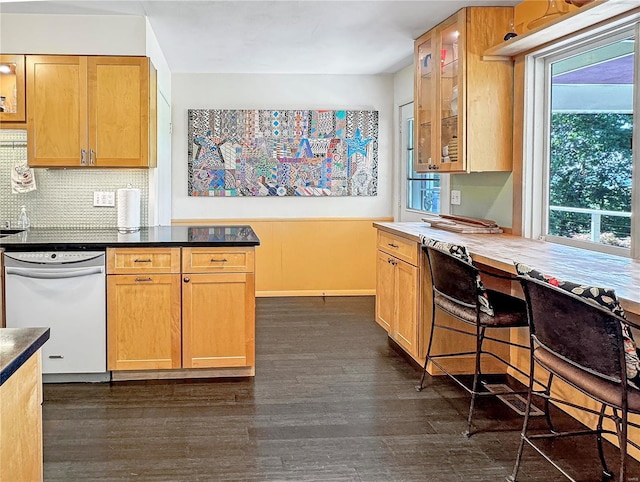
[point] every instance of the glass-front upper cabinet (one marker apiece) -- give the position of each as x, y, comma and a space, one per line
464, 104
424, 126
450, 90
12, 89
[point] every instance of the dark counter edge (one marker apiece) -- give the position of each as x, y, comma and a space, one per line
94, 246
19, 360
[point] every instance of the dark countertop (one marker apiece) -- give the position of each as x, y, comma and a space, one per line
50, 239
16, 347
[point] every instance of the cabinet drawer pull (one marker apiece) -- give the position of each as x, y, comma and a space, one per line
393, 245
92, 157
142, 260
186, 280
143, 279
223, 260
56, 356
83, 157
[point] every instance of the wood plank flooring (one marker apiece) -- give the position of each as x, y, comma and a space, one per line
331, 401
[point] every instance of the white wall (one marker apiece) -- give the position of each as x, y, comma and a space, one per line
72, 34
160, 178
240, 91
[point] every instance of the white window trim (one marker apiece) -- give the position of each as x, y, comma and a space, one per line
536, 132
404, 214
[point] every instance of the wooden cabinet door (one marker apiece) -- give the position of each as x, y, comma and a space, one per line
451, 94
143, 322
218, 320
12, 87
56, 110
406, 316
427, 67
385, 291
118, 106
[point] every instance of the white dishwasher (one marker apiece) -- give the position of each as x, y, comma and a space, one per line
65, 291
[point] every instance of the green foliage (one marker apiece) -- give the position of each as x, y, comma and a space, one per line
590, 168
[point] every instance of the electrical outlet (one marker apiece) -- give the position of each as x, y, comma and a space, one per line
455, 198
104, 198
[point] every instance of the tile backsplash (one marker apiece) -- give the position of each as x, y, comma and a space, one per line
64, 197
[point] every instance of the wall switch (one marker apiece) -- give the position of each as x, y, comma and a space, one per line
455, 198
104, 198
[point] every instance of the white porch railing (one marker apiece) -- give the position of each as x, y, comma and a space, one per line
596, 217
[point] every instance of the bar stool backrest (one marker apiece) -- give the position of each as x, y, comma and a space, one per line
453, 277
579, 331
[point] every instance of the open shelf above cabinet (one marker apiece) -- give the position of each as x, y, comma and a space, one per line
587, 16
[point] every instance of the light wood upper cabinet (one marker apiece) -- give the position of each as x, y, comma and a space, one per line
91, 111
463, 105
12, 87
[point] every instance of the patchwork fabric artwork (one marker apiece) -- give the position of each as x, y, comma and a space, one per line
282, 153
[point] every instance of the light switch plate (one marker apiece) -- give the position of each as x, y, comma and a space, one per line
455, 198
104, 198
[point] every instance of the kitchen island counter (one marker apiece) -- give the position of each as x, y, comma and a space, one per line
158, 236
21, 403
17, 345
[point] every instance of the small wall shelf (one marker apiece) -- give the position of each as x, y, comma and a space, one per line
587, 16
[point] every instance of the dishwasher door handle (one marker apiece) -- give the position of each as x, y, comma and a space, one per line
54, 273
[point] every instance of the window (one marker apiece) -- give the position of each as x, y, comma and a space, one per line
423, 189
580, 143
418, 193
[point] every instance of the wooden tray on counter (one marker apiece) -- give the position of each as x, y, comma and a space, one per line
463, 224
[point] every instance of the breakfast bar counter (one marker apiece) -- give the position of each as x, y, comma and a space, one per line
501, 250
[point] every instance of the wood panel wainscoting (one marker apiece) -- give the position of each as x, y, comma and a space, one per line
310, 257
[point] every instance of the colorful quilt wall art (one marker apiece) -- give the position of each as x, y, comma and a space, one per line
283, 153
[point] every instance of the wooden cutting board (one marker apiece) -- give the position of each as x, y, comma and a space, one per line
466, 228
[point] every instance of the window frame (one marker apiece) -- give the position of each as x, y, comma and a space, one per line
537, 134
406, 214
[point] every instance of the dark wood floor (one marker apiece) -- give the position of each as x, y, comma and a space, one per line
331, 401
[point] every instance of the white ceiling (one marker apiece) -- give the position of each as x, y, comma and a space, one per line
281, 36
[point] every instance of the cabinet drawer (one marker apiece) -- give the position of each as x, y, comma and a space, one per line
145, 260
401, 248
208, 260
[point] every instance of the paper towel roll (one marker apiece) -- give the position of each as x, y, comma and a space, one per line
128, 209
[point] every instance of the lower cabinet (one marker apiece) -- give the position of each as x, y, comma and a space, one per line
182, 308
21, 421
217, 320
143, 322
218, 307
398, 290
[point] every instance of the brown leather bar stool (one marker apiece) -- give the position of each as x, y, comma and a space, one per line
582, 343
458, 291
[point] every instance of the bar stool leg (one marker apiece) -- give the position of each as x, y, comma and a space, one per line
426, 358
476, 377
622, 440
525, 425
607, 474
